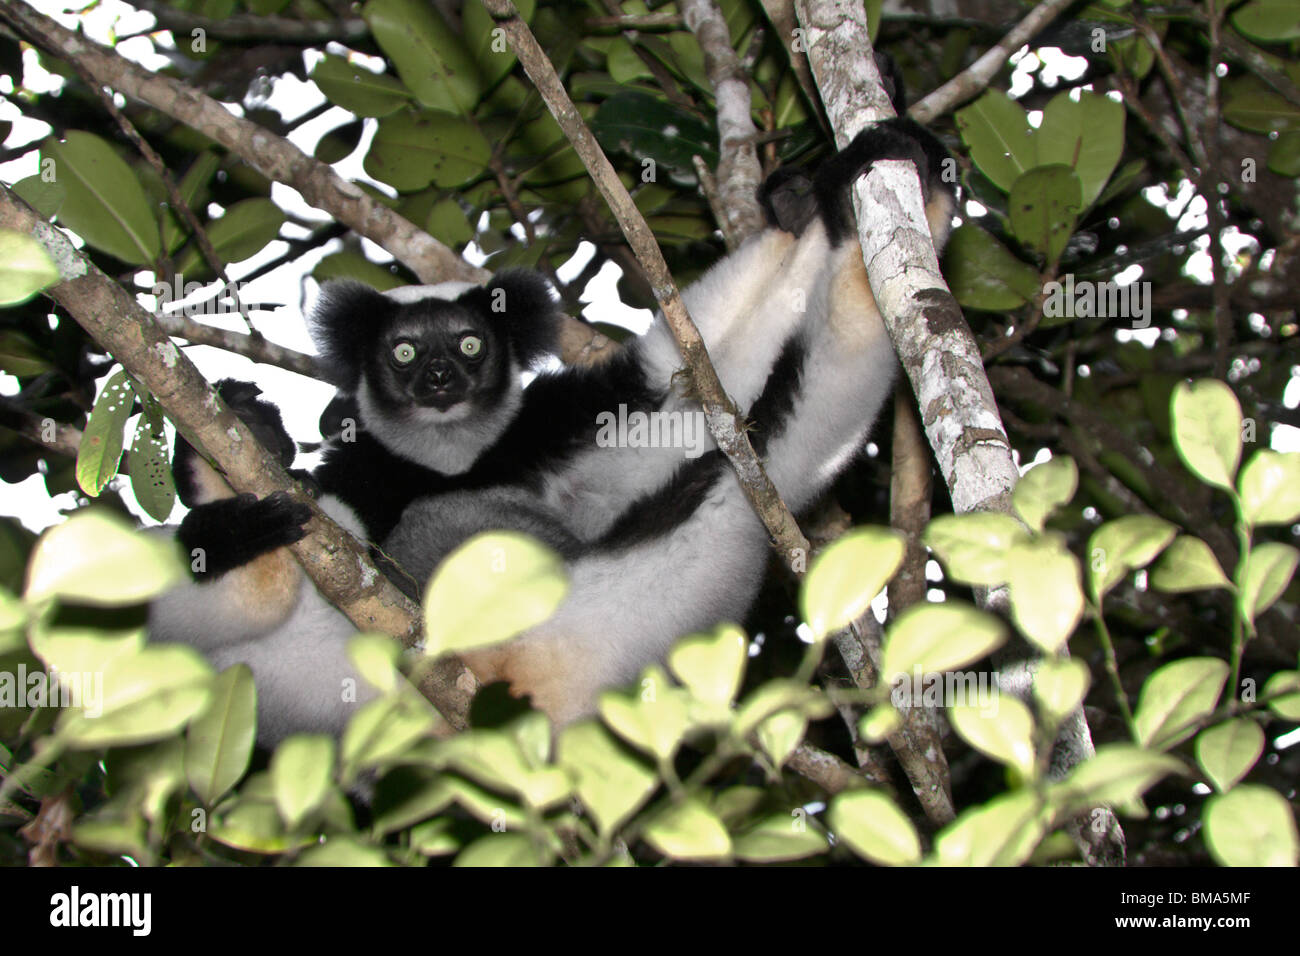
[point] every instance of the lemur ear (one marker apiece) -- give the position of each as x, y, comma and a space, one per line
343, 324
522, 305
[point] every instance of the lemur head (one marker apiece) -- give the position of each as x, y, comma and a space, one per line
435, 369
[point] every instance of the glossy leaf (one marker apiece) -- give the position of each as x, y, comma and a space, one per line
1004, 731
1043, 489
1175, 696
1188, 565
25, 268
490, 589
1206, 422
1270, 488
930, 638
104, 202
1252, 825
845, 578
875, 828
97, 558
1227, 752
219, 742
1268, 572
1123, 545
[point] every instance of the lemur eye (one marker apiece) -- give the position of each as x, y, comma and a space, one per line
403, 353
471, 345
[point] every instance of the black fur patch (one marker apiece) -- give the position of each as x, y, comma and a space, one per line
263, 420
234, 531
558, 417
344, 323
659, 512
772, 409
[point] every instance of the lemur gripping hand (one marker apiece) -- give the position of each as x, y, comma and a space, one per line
222, 535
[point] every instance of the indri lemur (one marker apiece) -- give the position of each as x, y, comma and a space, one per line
657, 545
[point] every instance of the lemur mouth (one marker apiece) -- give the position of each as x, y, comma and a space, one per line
442, 399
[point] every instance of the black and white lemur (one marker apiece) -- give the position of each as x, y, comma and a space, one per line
657, 545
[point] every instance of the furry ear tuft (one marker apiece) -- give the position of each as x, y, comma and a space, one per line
343, 324
523, 304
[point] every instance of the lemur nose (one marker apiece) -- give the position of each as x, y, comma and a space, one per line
440, 373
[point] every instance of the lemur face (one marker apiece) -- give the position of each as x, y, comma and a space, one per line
439, 356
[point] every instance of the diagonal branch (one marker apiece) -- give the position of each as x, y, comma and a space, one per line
723, 420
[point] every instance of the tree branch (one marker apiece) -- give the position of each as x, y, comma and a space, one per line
973, 80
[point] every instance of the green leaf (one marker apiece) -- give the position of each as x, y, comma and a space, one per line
343, 851
253, 824
19, 355
149, 695
150, 465
1268, 572
1046, 596
302, 769
490, 589
996, 128
712, 665
779, 734
1121, 546
1003, 731
1270, 21
491, 52
382, 730
777, 696
1270, 488
1060, 684
878, 723
500, 849
844, 578
375, 656
779, 838
245, 230
429, 56
101, 443
974, 547
1188, 565
654, 718
1252, 825
357, 89
434, 838
930, 638
874, 828
688, 830
610, 782
219, 742
984, 274
1289, 705
97, 558
1117, 775
494, 758
25, 268
1175, 696
104, 203
1042, 490
648, 128
1261, 111
1227, 752
1087, 135
1002, 832
1044, 206
46, 197
1206, 422
411, 150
